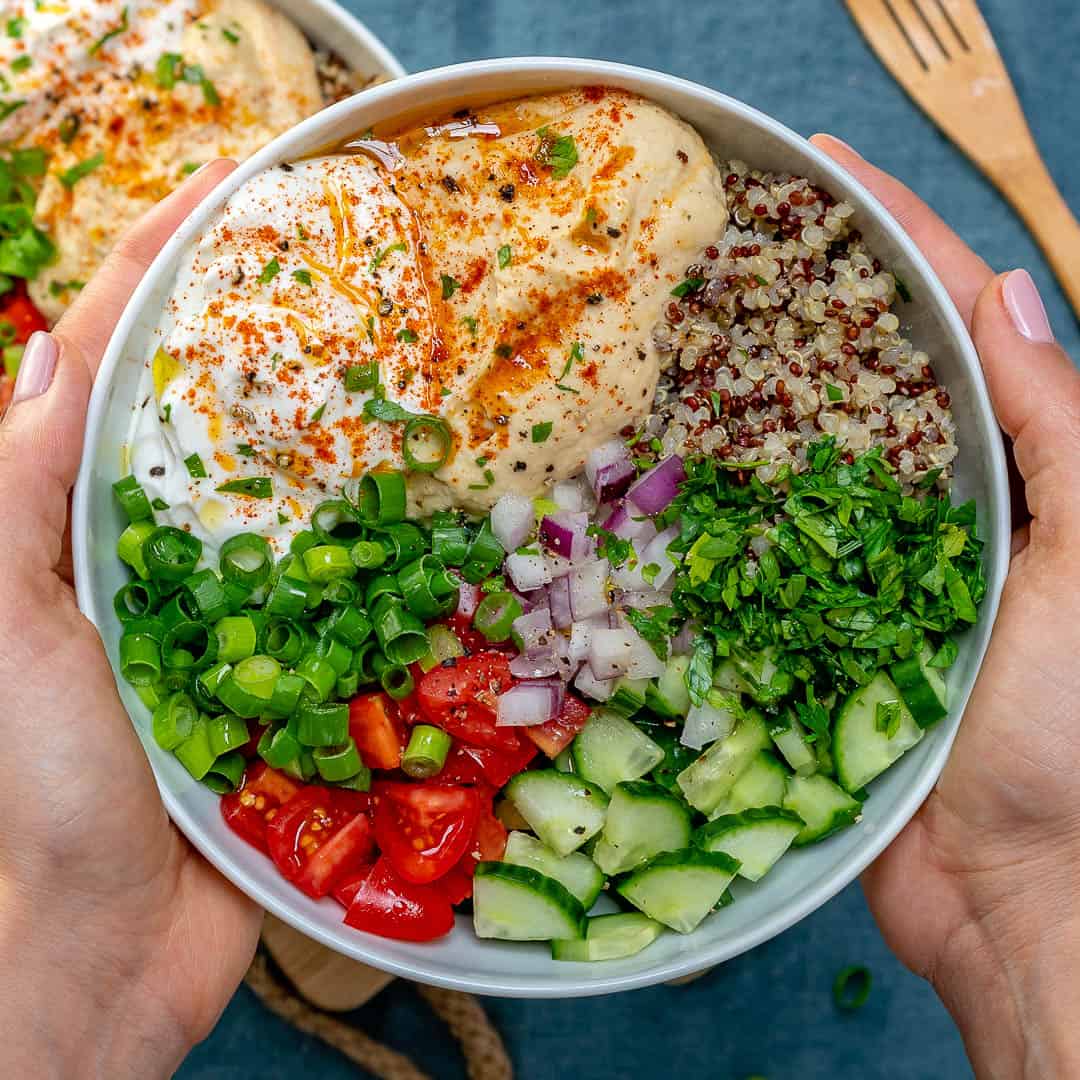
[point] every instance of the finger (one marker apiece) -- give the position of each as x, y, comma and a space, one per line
91, 319
1035, 390
961, 271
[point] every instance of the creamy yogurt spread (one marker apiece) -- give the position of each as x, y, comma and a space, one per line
504, 280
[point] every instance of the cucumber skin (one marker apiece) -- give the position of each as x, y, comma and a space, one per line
844, 814
738, 749
750, 816
917, 692
618, 927
580, 748
535, 882
593, 791
642, 791
597, 885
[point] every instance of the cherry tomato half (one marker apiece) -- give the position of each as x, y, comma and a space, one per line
387, 905
250, 809
375, 728
461, 697
556, 735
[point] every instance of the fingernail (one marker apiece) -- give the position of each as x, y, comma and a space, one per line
36, 367
1025, 307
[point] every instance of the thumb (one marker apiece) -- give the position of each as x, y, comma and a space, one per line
1035, 390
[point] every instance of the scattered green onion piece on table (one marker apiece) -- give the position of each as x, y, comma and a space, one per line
207, 595
132, 499
319, 674
495, 615
337, 763
322, 723
174, 721
278, 748
237, 638
381, 498
194, 753
226, 773
134, 600
397, 681
171, 554
246, 560
851, 988
130, 546
426, 444
335, 522
426, 753
227, 732
328, 562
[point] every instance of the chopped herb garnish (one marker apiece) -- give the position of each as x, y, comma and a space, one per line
377, 261
902, 289
317, 415
851, 988
159, 504
504, 351
231, 37
390, 412
834, 393
275, 359
506, 256
557, 152
303, 276
116, 31
489, 479
68, 128
542, 432
15, 27
21, 63
70, 177
31, 161
361, 377
687, 286
470, 324
7, 108
167, 413
449, 286
254, 487
244, 450
407, 335
168, 70
481, 462
195, 467
269, 272
283, 519
577, 352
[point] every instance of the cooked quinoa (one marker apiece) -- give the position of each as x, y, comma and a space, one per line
785, 332
337, 80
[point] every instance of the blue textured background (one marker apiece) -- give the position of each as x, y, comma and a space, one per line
770, 1012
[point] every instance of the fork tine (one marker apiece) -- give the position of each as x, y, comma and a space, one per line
950, 21
925, 20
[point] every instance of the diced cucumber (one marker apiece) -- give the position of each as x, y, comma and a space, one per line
824, 806
676, 756
576, 872
757, 838
709, 780
627, 696
766, 683
609, 937
610, 749
517, 903
790, 739
763, 783
727, 677
643, 820
922, 687
564, 760
562, 809
668, 696
861, 749
679, 888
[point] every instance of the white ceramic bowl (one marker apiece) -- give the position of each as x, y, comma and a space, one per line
801, 882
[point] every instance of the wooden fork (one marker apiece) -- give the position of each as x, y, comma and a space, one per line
942, 53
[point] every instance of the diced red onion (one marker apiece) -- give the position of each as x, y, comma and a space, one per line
535, 665
589, 589
386, 153
623, 652
653, 491
531, 703
571, 495
527, 572
564, 533
705, 724
559, 602
533, 630
609, 469
642, 599
530, 601
591, 686
512, 520
468, 599
581, 636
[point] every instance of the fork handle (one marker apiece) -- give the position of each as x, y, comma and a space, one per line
1031, 190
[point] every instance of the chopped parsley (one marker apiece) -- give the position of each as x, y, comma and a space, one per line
317, 415
116, 31
15, 27
390, 412
254, 487
506, 256
541, 432
70, 177
407, 335
449, 286
195, 467
377, 261
159, 504
22, 63
360, 377
556, 152
687, 286
577, 353
303, 276
902, 289
834, 393
230, 36
244, 450
269, 272
470, 324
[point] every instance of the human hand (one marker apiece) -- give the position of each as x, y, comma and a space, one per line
119, 945
981, 892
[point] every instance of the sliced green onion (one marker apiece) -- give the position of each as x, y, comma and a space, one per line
302, 541
278, 748
171, 554
174, 721
336, 522
426, 753
342, 593
495, 615
246, 560
851, 988
174, 679
237, 638
227, 732
347, 684
449, 539
151, 696
349, 625
134, 600
288, 598
209, 680
150, 625
368, 554
485, 555
379, 586
207, 595
226, 773
253, 487
360, 782
397, 681
248, 688
189, 646
335, 652
443, 644
360, 377
337, 763
286, 640
286, 695
194, 753
381, 498
363, 664
132, 499
130, 546
237, 595
406, 542
426, 444
195, 467
319, 674
328, 562
180, 607
322, 723
401, 634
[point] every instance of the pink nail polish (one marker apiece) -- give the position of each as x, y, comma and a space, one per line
1025, 307
36, 367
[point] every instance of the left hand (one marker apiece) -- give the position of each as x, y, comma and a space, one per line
119, 945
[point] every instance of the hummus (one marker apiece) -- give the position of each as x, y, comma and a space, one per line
128, 99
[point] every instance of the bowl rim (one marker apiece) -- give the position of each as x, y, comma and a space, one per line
561, 982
